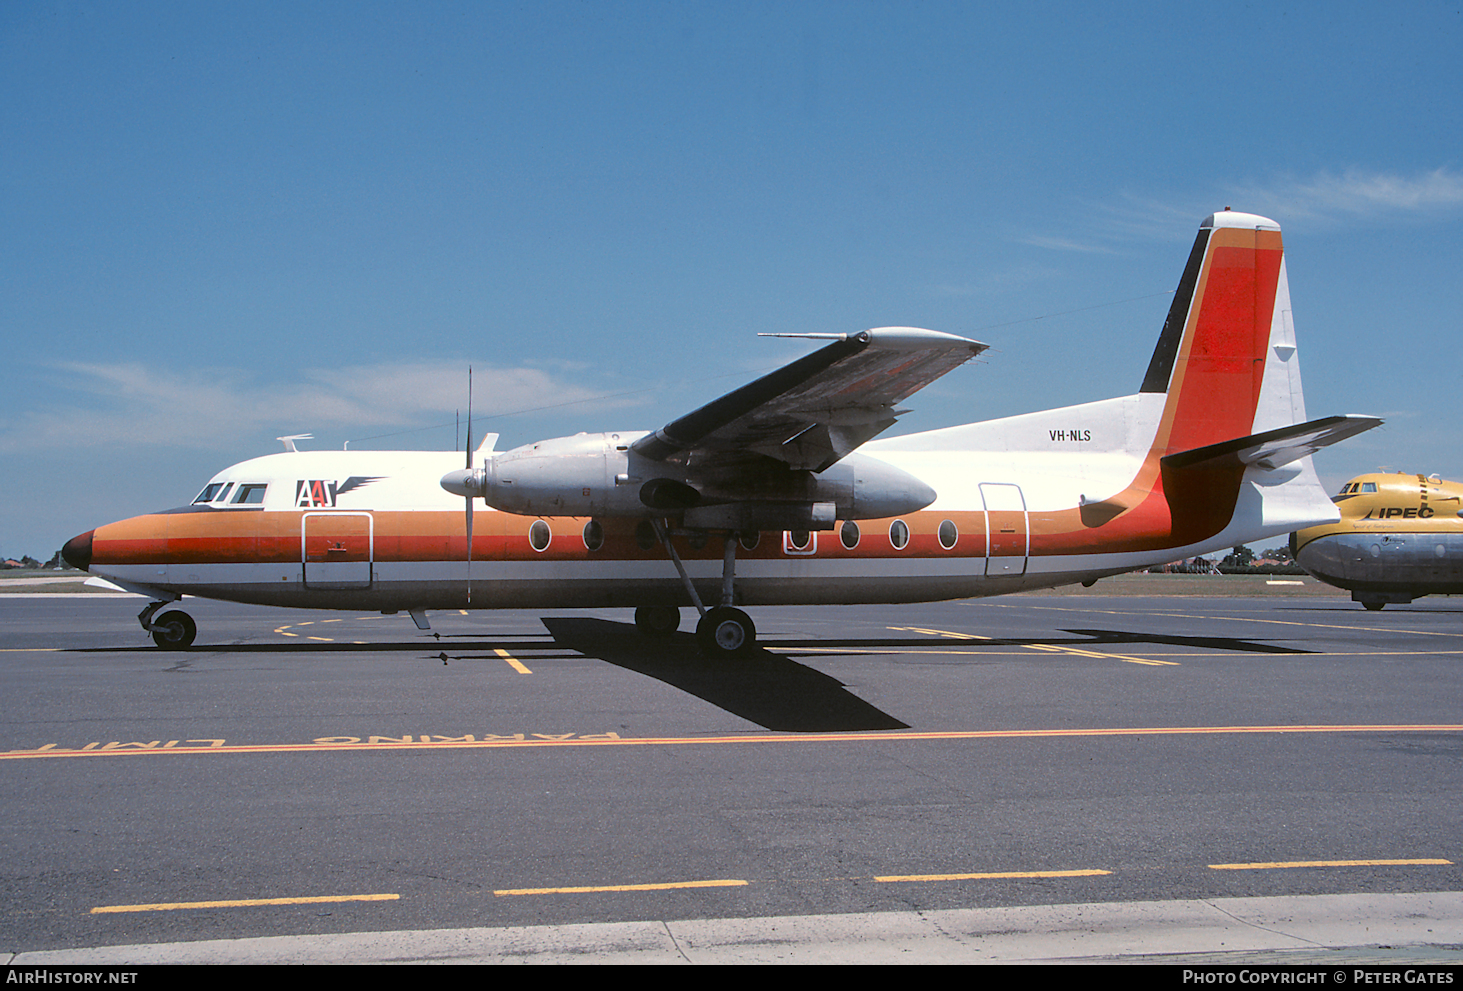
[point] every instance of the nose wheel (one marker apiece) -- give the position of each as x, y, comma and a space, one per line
174, 630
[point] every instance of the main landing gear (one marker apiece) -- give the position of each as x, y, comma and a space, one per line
173, 630
723, 630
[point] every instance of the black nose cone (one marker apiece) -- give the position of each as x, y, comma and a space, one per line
77, 551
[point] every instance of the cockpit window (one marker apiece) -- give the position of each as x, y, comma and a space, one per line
209, 491
1369, 486
249, 493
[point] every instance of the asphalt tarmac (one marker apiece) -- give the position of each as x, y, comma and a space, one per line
345, 777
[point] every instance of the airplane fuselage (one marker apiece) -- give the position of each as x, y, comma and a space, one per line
783, 491
1400, 537
374, 530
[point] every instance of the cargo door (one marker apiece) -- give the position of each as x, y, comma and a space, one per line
337, 549
1006, 533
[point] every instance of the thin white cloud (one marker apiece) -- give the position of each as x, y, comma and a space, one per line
1357, 192
136, 404
1325, 196
1067, 244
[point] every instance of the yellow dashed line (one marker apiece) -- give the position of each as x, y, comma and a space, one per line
668, 886
1279, 864
513, 661
1051, 648
243, 903
988, 875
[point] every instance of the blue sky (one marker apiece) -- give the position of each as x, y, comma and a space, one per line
225, 222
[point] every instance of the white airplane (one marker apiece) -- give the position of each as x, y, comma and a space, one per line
778, 493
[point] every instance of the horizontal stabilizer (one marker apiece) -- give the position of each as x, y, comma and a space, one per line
1274, 448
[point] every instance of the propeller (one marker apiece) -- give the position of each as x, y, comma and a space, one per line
469, 493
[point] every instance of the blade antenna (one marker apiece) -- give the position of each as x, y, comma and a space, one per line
469, 494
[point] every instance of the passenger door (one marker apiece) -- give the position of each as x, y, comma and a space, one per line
1006, 533
337, 549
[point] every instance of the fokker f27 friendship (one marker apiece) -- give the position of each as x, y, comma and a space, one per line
779, 493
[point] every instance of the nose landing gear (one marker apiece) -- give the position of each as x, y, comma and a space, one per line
173, 630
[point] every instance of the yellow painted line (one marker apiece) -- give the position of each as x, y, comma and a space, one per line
1054, 648
243, 903
323, 639
1279, 864
614, 740
989, 874
667, 886
515, 662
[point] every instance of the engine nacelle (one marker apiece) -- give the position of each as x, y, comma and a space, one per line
598, 475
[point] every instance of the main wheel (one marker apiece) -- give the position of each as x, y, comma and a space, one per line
1372, 604
726, 632
174, 630
657, 621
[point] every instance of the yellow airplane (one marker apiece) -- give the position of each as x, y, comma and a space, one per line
1400, 537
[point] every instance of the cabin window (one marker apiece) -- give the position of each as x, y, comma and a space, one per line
799, 540
594, 535
645, 537
899, 534
848, 534
250, 494
949, 533
539, 535
749, 539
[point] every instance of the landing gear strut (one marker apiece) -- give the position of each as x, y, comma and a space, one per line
723, 630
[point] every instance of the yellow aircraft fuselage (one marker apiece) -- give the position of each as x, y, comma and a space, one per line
1400, 537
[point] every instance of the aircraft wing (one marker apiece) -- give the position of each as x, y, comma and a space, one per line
818, 409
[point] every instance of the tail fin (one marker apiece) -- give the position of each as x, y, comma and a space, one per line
1227, 362
1226, 357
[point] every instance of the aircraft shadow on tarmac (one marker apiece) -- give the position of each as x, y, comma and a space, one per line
772, 691
1109, 637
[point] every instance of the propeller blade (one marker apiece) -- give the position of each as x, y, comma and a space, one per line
469, 495
469, 550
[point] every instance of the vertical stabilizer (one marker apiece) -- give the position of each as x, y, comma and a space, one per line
1226, 357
